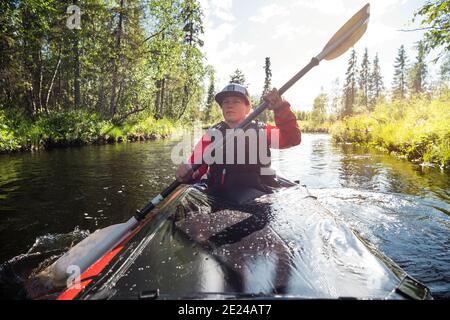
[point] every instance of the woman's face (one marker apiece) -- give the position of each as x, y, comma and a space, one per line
234, 109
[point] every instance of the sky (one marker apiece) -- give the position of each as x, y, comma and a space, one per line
240, 34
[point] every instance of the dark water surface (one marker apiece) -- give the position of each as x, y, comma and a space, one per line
49, 199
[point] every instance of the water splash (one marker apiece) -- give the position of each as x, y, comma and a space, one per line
17, 273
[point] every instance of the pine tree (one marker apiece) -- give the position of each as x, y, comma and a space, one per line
264, 117
364, 78
418, 72
400, 73
268, 78
350, 88
376, 83
238, 77
191, 15
210, 98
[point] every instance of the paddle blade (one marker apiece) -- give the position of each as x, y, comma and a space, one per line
347, 35
86, 252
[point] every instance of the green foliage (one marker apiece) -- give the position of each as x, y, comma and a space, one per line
416, 128
210, 101
399, 83
314, 127
350, 85
8, 141
418, 73
264, 117
376, 86
435, 17
238, 77
319, 113
127, 55
364, 79
76, 128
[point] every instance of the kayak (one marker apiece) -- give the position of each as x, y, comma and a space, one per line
283, 245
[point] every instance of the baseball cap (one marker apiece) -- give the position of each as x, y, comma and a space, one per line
233, 89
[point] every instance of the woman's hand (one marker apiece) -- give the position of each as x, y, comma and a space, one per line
274, 99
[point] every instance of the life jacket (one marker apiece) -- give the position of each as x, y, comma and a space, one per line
224, 179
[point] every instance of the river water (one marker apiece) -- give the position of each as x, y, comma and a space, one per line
50, 199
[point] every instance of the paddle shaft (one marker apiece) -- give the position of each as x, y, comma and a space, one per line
141, 214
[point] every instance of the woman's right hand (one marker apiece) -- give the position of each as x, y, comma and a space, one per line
184, 173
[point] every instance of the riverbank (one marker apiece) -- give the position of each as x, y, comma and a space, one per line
76, 128
308, 126
417, 129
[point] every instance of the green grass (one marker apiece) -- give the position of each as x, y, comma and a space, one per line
314, 127
76, 128
418, 129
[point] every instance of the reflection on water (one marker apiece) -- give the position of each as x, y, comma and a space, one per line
401, 207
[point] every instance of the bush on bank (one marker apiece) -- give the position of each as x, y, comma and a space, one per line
418, 129
61, 129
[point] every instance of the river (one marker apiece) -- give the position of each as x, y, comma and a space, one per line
54, 197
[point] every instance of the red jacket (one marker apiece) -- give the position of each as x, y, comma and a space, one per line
286, 128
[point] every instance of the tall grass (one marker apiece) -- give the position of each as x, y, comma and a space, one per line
309, 126
76, 128
418, 129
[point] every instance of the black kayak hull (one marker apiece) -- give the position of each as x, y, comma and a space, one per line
197, 246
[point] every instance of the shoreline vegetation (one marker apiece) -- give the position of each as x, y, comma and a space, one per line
77, 128
417, 129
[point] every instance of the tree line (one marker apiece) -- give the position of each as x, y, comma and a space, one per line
363, 84
125, 57
145, 56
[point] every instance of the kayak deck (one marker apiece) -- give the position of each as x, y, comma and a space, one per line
198, 246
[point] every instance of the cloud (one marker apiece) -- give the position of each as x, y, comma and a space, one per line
331, 7
287, 29
223, 10
379, 8
379, 33
267, 12
218, 9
